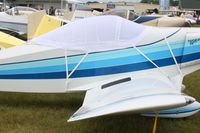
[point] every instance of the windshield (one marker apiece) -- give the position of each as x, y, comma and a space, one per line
20, 11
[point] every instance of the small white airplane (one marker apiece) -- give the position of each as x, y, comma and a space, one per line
123, 66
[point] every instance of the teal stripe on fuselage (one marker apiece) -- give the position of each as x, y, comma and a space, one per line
126, 52
43, 63
109, 55
130, 56
100, 64
47, 64
127, 60
57, 68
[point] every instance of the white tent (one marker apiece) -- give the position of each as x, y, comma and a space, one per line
74, 1
94, 34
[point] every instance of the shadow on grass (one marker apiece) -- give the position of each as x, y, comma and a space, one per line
128, 123
71, 101
125, 123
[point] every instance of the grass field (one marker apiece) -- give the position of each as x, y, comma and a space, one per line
48, 113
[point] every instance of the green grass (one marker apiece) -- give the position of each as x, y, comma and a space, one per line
195, 25
48, 113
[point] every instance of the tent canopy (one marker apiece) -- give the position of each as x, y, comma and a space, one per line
74, 1
94, 34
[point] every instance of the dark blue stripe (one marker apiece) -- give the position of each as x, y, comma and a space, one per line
160, 39
143, 19
32, 61
105, 71
52, 75
91, 72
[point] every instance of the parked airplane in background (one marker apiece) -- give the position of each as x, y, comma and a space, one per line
16, 18
38, 23
80, 12
150, 20
123, 66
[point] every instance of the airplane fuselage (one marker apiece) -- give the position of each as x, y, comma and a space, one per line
35, 68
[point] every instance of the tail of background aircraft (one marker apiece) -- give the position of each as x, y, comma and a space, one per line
39, 23
79, 14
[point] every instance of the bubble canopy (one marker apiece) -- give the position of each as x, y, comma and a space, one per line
94, 34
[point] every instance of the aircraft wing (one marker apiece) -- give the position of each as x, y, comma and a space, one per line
7, 41
131, 94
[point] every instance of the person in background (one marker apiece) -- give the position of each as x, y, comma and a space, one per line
183, 15
155, 11
51, 11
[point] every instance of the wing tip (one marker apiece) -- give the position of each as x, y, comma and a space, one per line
78, 115
75, 117
71, 119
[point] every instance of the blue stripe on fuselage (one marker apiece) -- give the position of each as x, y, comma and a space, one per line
58, 65
102, 63
104, 71
96, 56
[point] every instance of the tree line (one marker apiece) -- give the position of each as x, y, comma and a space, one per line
172, 2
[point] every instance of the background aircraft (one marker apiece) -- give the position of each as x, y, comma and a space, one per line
150, 20
16, 18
